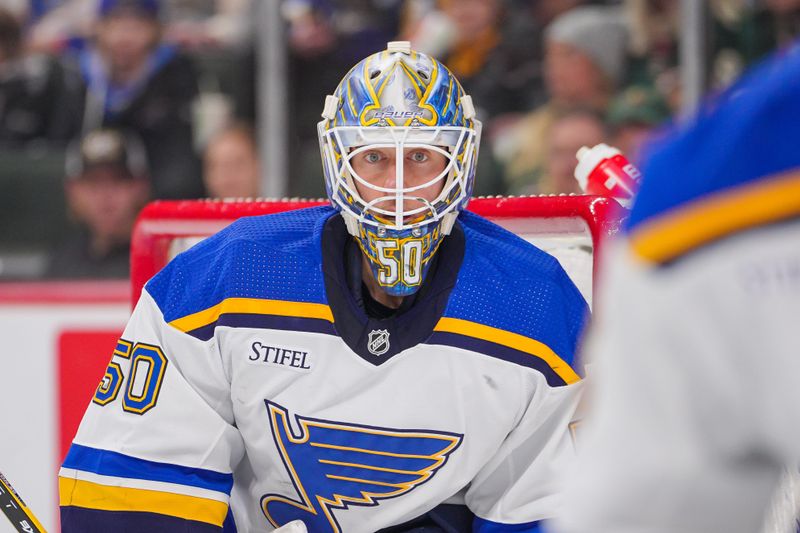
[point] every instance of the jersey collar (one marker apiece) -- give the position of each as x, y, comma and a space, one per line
373, 339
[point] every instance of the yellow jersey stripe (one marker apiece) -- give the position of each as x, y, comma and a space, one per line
254, 306
710, 218
510, 340
79, 493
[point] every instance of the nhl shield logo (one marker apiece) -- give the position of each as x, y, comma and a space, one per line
378, 342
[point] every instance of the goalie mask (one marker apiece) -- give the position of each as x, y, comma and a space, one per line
399, 143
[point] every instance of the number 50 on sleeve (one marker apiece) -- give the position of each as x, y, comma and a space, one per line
148, 365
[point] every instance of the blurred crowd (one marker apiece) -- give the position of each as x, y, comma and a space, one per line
106, 104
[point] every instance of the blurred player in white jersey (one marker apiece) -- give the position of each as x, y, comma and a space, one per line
388, 363
695, 404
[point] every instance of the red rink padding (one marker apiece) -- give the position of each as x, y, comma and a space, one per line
81, 359
162, 221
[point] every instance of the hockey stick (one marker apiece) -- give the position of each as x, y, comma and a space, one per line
16, 510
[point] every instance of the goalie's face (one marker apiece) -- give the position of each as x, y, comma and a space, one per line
420, 173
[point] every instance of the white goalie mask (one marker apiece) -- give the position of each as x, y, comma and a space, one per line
409, 110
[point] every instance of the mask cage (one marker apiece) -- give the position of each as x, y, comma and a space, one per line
457, 144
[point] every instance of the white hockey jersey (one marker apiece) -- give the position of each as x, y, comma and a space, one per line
249, 375
695, 351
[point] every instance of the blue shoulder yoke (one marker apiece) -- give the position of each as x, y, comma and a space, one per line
273, 257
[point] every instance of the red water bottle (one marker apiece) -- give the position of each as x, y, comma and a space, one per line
603, 170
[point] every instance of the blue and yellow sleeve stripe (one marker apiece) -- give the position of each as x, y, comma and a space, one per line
100, 497
688, 227
103, 480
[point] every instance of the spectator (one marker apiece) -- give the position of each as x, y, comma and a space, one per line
746, 32
231, 168
786, 20
129, 79
193, 24
56, 25
738, 34
570, 131
632, 117
326, 37
495, 50
208, 24
30, 86
654, 27
495, 56
106, 186
584, 63
427, 27
546, 11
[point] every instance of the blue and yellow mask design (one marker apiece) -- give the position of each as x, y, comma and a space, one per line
398, 104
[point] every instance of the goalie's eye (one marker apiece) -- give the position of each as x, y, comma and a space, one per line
418, 156
372, 157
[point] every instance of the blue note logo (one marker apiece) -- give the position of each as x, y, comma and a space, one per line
334, 465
